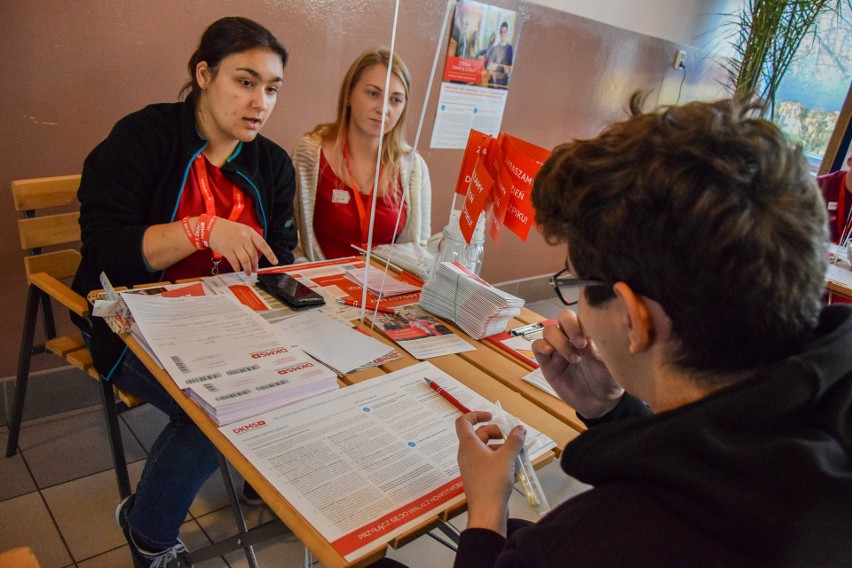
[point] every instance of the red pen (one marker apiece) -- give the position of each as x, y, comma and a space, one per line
370, 307
447, 396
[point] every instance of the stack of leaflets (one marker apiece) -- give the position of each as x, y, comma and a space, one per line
226, 357
457, 294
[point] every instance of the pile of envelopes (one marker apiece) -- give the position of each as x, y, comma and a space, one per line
457, 294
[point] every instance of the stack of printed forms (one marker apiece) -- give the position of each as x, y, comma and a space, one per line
457, 294
226, 357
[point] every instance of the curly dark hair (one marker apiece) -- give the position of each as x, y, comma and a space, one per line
705, 208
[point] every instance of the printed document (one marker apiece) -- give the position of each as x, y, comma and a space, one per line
227, 358
335, 344
419, 333
368, 462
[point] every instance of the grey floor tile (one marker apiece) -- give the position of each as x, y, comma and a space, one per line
53, 391
120, 557
16, 478
423, 552
117, 558
558, 486
146, 422
278, 552
26, 521
194, 538
72, 447
84, 510
212, 495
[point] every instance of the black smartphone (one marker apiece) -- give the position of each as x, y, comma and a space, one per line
289, 290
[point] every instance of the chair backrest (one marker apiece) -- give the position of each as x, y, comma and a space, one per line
38, 230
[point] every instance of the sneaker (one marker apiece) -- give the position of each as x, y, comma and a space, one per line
175, 557
250, 496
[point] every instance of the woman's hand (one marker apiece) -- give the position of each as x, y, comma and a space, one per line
487, 471
167, 244
570, 362
240, 245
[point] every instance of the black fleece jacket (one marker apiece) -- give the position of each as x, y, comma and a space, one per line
134, 179
756, 474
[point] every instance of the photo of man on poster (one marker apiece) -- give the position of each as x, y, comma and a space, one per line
481, 50
499, 60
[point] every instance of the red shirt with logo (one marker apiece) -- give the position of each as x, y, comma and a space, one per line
338, 222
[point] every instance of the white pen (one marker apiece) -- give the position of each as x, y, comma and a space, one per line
524, 471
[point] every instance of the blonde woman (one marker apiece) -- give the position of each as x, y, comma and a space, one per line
336, 167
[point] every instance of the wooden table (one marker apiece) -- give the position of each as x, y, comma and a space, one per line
491, 372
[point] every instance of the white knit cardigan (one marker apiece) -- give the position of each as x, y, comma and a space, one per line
417, 193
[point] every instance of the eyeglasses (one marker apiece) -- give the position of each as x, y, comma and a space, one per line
567, 286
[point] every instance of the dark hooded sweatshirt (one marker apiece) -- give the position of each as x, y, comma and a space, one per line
756, 474
134, 179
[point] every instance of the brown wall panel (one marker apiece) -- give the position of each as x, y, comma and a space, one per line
72, 69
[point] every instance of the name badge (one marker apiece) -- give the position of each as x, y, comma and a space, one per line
832, 205
340, 196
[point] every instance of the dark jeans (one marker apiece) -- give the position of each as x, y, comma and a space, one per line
181, 460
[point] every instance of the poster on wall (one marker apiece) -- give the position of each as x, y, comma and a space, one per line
477, 74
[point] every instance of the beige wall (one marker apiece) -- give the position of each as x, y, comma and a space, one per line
71, 69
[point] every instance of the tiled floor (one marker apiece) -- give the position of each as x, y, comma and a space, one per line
58, 494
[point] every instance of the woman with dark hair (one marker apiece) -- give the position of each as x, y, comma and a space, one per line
336, 167
182, 190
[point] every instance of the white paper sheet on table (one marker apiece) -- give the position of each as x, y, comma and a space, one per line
333, 343
536, 379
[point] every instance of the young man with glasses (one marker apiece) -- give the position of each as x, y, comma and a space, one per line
716, 387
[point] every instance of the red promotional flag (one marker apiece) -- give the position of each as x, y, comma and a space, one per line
475, 141
475, 200
522, 161
500, 195
492, 155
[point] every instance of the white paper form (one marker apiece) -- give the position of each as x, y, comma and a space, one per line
333, 343
226, 355
196, 336
536, 379
368, 462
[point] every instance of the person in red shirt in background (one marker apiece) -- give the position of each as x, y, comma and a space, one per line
838, 202
336, 168
836, 189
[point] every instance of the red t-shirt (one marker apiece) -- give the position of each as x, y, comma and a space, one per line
337, 224
192, 204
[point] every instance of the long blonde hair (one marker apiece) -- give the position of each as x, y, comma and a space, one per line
393, 145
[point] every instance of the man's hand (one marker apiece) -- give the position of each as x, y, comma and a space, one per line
240, 245
488, 472
570, 363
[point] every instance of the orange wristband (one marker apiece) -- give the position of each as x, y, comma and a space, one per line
188, 230
207, 229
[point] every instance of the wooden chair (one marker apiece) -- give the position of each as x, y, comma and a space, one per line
46, 271
21, 557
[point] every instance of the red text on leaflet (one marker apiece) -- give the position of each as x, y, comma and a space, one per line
376, 530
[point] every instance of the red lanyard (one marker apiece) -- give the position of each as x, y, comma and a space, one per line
841, 207
359, 198
210, 203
